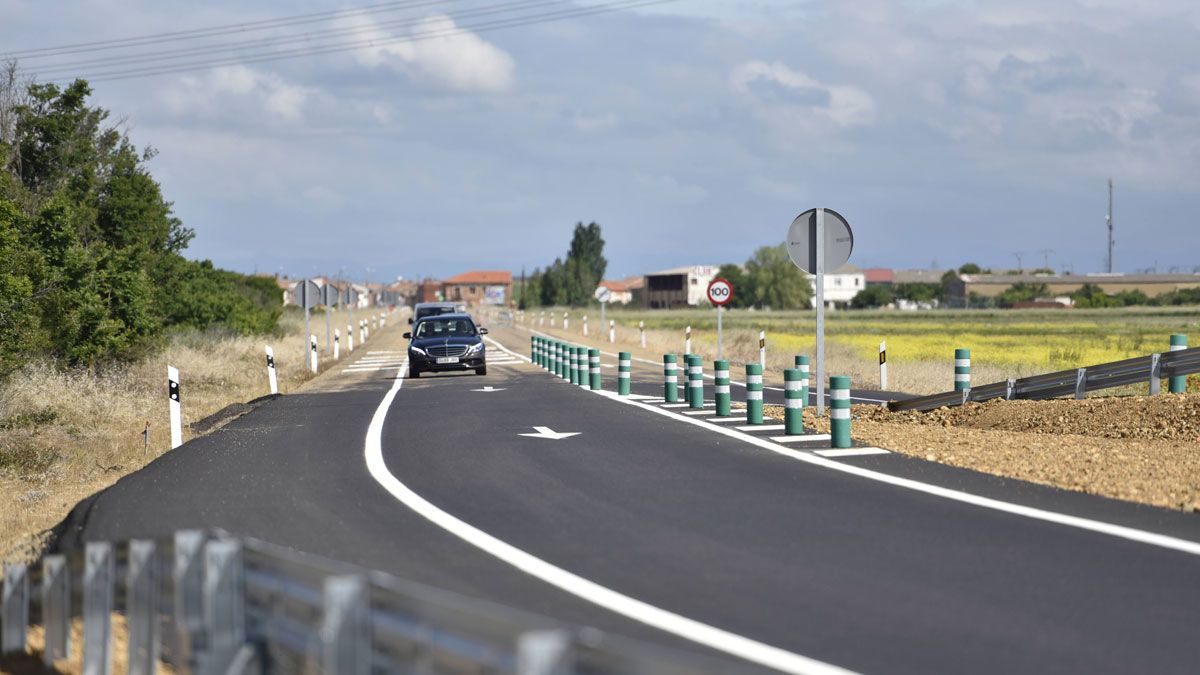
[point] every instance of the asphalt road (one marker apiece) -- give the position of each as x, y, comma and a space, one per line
874, 563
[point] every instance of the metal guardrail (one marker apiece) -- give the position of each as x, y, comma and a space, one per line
1076, 382
212, 604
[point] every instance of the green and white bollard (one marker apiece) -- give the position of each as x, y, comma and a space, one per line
624, 372
533, 354
583, 367
802, 366
577, 375
1178, 383
552, 356
839, 411
695, 390
793, 395
721, 388
754, 391
670, 379
561, 350
594, 368
962, 369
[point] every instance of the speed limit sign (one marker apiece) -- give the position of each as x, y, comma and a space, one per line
720, 291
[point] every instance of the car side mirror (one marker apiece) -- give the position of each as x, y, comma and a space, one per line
407, 336
483, 331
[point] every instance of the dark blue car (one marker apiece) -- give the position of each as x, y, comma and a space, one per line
446, 342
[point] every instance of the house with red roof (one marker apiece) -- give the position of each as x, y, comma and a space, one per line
479, 287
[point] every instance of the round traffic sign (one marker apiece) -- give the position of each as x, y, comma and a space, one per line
720, 291
802, 241
603, 293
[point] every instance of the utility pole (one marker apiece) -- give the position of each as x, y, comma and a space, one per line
1017, 255
1109, 220
1046, 253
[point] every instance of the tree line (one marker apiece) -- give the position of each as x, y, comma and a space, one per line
91, 265
570, 280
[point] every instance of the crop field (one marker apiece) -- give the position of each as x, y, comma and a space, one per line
920, 345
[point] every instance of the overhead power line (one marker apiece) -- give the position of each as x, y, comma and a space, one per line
176, 54
485, 26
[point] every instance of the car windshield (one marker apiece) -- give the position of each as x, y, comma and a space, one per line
431, 328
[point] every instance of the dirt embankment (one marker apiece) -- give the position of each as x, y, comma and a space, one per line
1141, 449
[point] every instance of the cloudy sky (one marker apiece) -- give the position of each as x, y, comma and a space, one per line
692, 131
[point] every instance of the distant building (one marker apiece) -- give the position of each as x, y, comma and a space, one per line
841, 285
883, 276
965, 286
479, 287
621, 291
428, 290
678, 287
878, 276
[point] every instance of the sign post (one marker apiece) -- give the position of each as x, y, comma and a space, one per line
817, 240
603, 294
720, 292
308, 294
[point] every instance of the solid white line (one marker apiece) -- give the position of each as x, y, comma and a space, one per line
676, 405
761, 427
852, 452
689, 629
1119, 531
700, 412
806, 438
726, 419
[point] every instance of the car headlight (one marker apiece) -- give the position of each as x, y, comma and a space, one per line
418, 350
475, 348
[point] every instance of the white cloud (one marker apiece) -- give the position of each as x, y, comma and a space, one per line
437, 52
218, 90
844, 105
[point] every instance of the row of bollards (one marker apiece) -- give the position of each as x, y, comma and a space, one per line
576, 364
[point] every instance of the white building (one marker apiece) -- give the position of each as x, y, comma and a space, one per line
841, 285
679, 286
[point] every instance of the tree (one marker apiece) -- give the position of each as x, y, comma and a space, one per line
1021, 292
919, 292
743, 291
1092, 296
585, 264
970, 268
871, 297
776, 282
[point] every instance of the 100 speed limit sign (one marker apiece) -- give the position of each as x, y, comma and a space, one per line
720, 291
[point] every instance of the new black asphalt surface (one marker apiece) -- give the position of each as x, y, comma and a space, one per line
858, 573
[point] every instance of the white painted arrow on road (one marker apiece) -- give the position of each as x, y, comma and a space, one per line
488, 388
547, 432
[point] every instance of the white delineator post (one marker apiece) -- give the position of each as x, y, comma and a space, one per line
883, 365
349, 339
173, 403
337, 340
762, 349
312, 352
642, 333
612, 331
272, 379
585, 325
566, 321
687, 340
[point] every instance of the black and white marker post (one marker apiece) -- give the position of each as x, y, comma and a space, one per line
271, 378
312, 352
173, 403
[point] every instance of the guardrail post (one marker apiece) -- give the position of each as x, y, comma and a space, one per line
594, 368
839, 411
962, 369
98, 573
224, 604
793, 393
1155, 374
802, 364
56, 608
345, 626
670, 379
695, 390
754, 393
141, 606
14, 609
624, 373
545, 652
1080, 384
1177, 384
721, 387
188, 607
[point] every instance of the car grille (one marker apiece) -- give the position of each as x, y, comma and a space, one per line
447, 350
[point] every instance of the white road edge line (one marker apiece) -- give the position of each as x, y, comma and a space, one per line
852, 452
1119, 531
689, 629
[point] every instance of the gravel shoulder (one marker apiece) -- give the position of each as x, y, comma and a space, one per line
1139, 449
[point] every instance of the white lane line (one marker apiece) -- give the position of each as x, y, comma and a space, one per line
852, 452
1079, 522
761, 427
806, 438
716, 420
689, 629
700, 412
676, 405
706, 375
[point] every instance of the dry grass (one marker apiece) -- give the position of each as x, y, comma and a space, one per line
66, 435
29, 662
